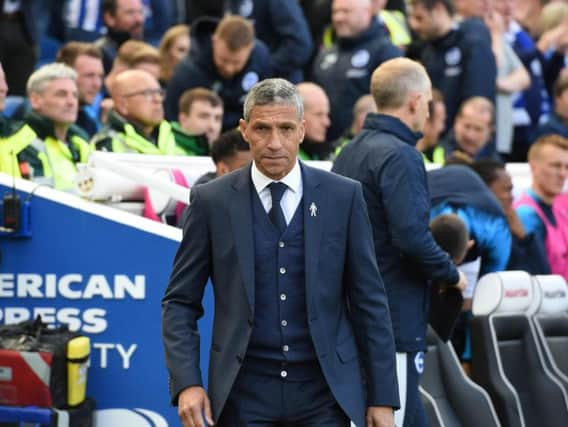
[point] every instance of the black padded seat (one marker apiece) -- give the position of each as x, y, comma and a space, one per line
450, 397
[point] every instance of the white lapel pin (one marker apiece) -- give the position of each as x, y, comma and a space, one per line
313, 209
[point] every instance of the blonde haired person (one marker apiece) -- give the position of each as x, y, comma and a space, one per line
174, 46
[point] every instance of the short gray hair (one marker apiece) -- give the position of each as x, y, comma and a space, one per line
273, 91
47, 73
395, 79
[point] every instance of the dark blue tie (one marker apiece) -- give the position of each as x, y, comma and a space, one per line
276, 214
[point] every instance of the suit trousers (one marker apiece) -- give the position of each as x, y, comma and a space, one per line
262, 400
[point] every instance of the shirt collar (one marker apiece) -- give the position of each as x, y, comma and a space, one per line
293, 179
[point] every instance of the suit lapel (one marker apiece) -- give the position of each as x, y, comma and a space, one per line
314, 207
241, 224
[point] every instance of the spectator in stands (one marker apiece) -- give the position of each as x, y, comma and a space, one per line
363, 106
344, 69
453, 55
557, 123
428, 145
134, 54
543, 208
136, 124
527, 251
512, 77
472, 130
224, 57
532, 105
124, 20
18, 38
281, 25
316, 115
86, 60
229, 152
174, 46
48, 146
384, 159
200, 120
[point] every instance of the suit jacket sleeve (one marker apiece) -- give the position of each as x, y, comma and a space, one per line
369, 309
181, 304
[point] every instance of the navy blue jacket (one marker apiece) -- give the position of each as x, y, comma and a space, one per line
460, 64
344, 71
554, 125
384, 159
198, 70
346, 304
283, 27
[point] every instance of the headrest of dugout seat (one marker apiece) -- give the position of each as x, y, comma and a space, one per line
504, 292
554, 291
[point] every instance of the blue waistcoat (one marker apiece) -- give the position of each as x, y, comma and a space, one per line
280, 337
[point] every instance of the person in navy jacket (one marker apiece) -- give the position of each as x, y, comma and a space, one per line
458, 58
383, 157
344, 69
224, 57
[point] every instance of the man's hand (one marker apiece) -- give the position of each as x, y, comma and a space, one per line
192, 404
462, 282
380, 416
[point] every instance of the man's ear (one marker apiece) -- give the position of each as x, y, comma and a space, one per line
35, 100
243, 127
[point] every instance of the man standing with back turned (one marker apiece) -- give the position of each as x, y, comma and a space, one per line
384, 159
300, 308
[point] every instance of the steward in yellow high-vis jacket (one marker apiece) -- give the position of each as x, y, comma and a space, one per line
47, 147
136, 124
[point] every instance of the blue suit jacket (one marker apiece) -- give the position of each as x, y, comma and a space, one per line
347, 307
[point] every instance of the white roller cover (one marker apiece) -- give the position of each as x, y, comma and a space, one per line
554, 293
503, 292
100, 184
192, 166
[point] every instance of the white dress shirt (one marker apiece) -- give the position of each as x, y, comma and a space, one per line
292, 196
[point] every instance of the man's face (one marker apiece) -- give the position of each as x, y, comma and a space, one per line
502, 187
3, 89
436, 123
142, 101
203, 118
237, 161
274, 133
549, 170
423, 22
90, 75
350, 17
316, 115
472, 130
227, 62
59, 101
129, 18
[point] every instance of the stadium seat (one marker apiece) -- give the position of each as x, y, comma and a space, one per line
449, 396
507, 359
551, 323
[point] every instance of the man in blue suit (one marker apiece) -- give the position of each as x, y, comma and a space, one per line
302, 335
